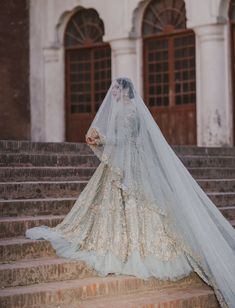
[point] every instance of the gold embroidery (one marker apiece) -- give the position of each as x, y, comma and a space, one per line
111, 220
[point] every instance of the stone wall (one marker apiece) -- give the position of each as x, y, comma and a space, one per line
14, 70
208, 19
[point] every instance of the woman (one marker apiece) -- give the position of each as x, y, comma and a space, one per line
142, 213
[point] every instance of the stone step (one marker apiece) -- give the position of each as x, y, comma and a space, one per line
217, 185
59, 206
53, 189
14, 245
45, 189
54, 206
82, 291
20, 146
55, 159
191, 297
35, 271
222, 198
33, 207
12, 146
206, 151
228, 212
212, 172
28, 159
19, 174
193, 161
21, 248
15, 226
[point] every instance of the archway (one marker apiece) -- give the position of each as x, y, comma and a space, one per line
87, 71
169, 70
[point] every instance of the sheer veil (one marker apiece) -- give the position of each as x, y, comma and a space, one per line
189, 214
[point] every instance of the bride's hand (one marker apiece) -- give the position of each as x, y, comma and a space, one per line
92, 141
93, 138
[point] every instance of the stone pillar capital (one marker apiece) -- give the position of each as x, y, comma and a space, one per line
123, 58
212, 32
123, 46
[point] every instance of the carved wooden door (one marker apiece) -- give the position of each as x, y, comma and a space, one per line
169, 70
87, 71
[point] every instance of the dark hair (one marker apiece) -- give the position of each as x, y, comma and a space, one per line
126, 83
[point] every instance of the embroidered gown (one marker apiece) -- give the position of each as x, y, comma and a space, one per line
115, 230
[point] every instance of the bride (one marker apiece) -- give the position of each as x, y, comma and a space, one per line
142, 213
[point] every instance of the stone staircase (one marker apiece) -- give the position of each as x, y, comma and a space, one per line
39, 183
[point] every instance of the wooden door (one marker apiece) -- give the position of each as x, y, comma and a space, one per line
87, 71
169, 71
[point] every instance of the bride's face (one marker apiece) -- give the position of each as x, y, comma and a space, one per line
116, 91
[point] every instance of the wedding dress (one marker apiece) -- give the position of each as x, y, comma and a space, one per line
142, 213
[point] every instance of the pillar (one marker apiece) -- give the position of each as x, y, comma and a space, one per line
124, 58
213, 106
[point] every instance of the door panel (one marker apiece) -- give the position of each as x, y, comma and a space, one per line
88, 77
170, 85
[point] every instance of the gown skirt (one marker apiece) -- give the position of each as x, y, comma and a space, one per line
115, 233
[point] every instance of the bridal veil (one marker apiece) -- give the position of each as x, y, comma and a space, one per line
188, 213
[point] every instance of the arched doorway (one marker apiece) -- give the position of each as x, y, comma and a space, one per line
169, 70
87, 71
232, 29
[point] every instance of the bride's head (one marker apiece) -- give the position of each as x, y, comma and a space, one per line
122, 88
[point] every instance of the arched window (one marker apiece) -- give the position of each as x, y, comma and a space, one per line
87, 70
169, 70
232, 28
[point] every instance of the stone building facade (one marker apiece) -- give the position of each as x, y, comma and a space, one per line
180, 55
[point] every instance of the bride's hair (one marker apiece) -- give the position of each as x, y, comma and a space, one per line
126, 83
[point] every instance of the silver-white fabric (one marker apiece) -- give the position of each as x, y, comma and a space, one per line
147, 173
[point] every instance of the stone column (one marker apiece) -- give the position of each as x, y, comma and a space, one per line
214, 127
54, 95
124, 58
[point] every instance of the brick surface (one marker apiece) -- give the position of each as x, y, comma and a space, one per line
213, 172
14, 69
14, 226
33, 207
28, 159
97, 290
19, 146
21, 248
35, 271
217, 185
206, 151
44, 189
39, 183
174, 298
223, 198
19, 174
228, 212
207, 161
